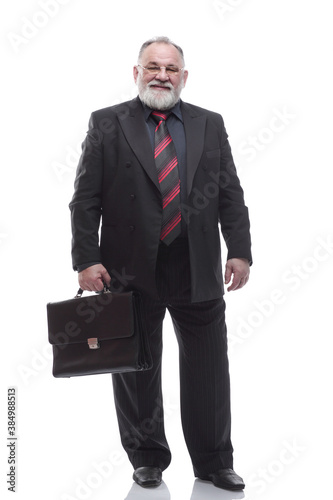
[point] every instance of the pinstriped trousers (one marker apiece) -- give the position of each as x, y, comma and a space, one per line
204, 375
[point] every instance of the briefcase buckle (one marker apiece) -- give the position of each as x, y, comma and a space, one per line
93, 344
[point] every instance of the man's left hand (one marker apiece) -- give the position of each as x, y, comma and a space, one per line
239, 269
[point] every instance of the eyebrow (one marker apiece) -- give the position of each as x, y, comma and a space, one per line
153, 63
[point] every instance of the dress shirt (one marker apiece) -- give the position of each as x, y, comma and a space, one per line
176, 129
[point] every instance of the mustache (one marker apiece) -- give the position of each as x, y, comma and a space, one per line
160, 84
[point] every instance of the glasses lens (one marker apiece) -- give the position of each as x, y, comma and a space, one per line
153, 70
171, 70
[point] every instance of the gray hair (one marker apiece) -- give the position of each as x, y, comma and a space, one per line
161, 39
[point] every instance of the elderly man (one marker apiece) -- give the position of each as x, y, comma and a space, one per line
159, 174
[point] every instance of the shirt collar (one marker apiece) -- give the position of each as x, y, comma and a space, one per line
175, 110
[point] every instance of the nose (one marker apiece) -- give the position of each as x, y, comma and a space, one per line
162, 75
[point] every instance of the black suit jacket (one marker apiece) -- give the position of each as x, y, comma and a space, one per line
117, 184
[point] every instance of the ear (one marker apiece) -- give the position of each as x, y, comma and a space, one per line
135, 73
185, 77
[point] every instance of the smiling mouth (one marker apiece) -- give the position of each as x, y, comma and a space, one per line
159, 87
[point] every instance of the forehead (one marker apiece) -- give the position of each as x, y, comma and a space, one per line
162, 54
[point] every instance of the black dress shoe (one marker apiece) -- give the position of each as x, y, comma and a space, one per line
226, 479
148, 477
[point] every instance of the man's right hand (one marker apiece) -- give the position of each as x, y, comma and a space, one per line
93, 278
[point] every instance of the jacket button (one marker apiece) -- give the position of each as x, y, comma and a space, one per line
132, 228
132, 196
128, 164
204, 167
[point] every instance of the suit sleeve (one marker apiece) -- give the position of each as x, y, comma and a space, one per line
85, 205
233, 213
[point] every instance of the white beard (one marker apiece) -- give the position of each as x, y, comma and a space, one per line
157, 99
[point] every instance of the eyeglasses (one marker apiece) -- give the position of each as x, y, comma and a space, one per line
154, 70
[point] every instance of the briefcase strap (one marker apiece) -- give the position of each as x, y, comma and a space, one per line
80, 292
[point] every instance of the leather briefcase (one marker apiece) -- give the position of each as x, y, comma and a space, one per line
103, 333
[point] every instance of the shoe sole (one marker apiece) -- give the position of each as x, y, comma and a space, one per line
149, 485
223, 487
146, 484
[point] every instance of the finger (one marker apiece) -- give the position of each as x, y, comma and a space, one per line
85, 286
241, 284
237, 283
92, 285
233, 287
98, 285
106, 277
228, 273
234, 284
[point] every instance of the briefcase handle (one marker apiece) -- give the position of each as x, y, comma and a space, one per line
80, 291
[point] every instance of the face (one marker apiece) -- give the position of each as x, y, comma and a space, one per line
161, 91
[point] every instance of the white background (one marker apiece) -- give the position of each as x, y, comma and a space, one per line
250, 60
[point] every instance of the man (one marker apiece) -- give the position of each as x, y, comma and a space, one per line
159, 174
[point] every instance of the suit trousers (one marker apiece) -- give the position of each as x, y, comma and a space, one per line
204, 375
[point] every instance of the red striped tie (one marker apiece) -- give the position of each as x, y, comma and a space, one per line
168, 176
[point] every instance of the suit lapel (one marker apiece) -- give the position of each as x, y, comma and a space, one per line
134, 127
194, 124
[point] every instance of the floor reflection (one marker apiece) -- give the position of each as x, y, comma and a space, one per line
139, 493
202, 490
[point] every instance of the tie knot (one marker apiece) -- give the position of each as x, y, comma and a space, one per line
160, 116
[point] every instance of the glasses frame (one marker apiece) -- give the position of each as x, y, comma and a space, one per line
160, 68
